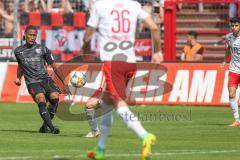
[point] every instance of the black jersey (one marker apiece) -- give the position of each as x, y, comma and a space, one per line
32, 61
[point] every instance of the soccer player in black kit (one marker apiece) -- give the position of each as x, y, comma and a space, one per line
32, 59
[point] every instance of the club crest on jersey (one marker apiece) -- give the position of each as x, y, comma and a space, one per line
38, 50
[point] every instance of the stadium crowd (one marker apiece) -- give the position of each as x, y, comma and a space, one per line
154, 7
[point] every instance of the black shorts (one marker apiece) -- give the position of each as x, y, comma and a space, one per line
46, 86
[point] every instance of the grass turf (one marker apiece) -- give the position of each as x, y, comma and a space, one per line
183, 133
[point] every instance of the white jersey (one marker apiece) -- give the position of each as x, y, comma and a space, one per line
116, 21
234, 44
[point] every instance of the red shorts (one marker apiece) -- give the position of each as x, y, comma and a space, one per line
117, 75
233, 79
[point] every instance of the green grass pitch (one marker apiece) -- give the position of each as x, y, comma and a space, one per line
183, 133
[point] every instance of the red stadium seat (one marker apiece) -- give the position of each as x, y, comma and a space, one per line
79, 20
35, 18
57, 19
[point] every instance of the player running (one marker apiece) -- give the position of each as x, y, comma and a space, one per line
32, 59
233, 48
116, 22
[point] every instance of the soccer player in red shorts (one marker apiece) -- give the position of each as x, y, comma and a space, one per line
116, 23
233, 48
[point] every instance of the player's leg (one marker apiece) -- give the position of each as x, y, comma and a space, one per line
126, 115
233, 80
90, 109
53, 100
106, 123
52, 93
41, 101
38, 94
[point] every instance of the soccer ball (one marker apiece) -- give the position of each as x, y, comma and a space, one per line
78, 79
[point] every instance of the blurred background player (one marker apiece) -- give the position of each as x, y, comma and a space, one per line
91, 110
32, 59
94, 102
116, 23
193, 51
233, 43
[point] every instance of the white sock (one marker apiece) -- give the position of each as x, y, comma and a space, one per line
131, 121
234, 107
92, 118
107, 120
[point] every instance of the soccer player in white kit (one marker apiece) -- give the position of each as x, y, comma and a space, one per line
116, 21
233, 48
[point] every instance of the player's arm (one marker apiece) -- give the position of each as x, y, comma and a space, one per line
86, 48
60, 75
198, 56
91, 29
155, 33
19, 76
19, 72
227, 53
50, 60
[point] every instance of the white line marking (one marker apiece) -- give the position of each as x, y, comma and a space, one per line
14, 158
156, 154
173, 153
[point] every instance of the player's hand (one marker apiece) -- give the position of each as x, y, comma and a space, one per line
222, 65
17, 82
157, 57
86, 48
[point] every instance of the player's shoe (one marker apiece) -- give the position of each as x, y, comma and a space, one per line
234, 124
93, 134
148, 141
55, 130
97, 154
44, 129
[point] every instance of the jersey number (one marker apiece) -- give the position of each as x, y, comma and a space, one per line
121, 21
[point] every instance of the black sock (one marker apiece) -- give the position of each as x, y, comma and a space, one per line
52, 109
45, 115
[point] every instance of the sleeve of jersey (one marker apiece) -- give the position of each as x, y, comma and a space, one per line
94, 18
227, 42
15, 53
48, 56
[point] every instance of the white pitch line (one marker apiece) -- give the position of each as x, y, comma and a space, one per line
15, 158
173, 153
156, 154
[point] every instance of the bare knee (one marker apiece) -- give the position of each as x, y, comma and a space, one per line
93, 103
40, 97
54, 95
232, 92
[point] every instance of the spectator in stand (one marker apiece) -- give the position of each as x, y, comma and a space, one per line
232, 10
200, 7
89, 4
155, 9
157, 13
59, 6
1, 19
35, 5
80, 5
7, 18
193, 51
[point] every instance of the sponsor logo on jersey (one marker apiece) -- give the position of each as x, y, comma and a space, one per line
38, 50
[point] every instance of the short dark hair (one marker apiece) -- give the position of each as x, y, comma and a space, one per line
235, 20
30, 27
192, 33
